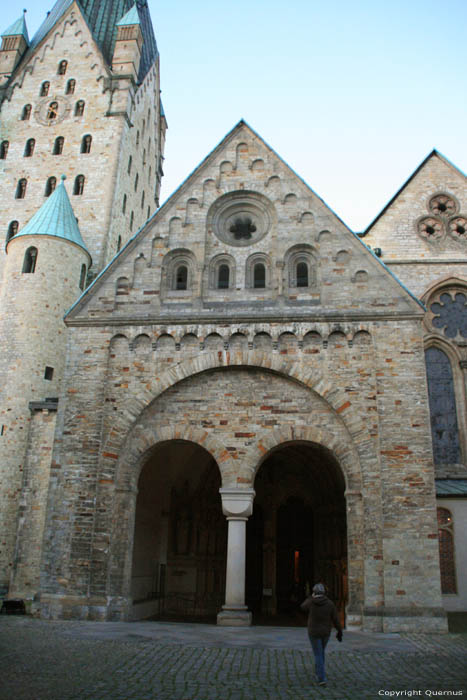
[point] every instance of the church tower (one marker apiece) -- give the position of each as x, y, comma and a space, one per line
82, 97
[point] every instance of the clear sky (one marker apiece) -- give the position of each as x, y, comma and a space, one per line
352, 94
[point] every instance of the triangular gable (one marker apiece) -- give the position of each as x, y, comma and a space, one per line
228, 169
433, 154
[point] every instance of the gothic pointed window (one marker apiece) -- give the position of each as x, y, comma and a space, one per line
30, 260
50, 186
78, 187
26, 113
12, 230
21, 188
79, 108
52, 112
181, 277
62, 66
29, 148
86, 143
223, 277
446, 551
70, 87
82, 277
45, 87
259, 276
4, 149
58, 146
442, 400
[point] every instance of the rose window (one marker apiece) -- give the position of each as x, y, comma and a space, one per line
430, 228
442, 205
458, 228
450, 314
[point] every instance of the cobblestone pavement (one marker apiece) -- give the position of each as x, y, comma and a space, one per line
144, 661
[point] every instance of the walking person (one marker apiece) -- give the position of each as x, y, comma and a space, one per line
322, 616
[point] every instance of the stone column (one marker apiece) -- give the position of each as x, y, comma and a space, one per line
237, 506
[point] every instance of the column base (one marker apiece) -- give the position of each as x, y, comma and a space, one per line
234, 617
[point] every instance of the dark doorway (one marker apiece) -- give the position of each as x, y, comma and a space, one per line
297, 534
180, 540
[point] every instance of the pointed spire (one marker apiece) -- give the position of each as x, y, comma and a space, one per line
55, 218
18, 28
131, 17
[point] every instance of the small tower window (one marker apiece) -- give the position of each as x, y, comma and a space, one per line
58, 146
26, 113
82, 277
62, 66
79, 108
49, 373
30, 260
50, 186
45, 87
119, 243
144, 127
142, 200
302, 274
29, 148
86, 143
259, 276
181, 277
12, 230
137, 138
130, 161
136, 181
78, 187
144, 157
21, 188
124, 204
70, 87
132, 216
223, 277
149, 212
4, 149
52, 112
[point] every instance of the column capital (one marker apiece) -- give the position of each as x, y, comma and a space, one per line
237, 503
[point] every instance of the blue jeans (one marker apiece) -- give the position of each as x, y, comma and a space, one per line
318, 644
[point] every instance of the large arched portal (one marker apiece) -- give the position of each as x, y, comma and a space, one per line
180, 535
297, 534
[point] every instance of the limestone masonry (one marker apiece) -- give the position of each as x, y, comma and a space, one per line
245, 397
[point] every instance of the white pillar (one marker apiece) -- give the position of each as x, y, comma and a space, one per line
237, 506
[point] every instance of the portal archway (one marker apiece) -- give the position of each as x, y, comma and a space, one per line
298, 532
179, 544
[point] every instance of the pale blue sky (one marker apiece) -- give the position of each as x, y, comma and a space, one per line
353, 95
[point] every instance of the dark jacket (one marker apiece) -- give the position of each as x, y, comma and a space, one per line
322, 615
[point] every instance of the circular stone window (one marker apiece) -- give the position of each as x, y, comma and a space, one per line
241, 218
442, 205
430, 228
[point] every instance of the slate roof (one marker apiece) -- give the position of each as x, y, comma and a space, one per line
451, 487
55, 218
18, 28
102, 17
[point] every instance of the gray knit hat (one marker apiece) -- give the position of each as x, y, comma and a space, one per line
319, 589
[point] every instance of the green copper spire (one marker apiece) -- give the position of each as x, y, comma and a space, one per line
55, 218
131, 17
18, 28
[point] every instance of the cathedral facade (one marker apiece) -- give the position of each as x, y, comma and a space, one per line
245, 396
